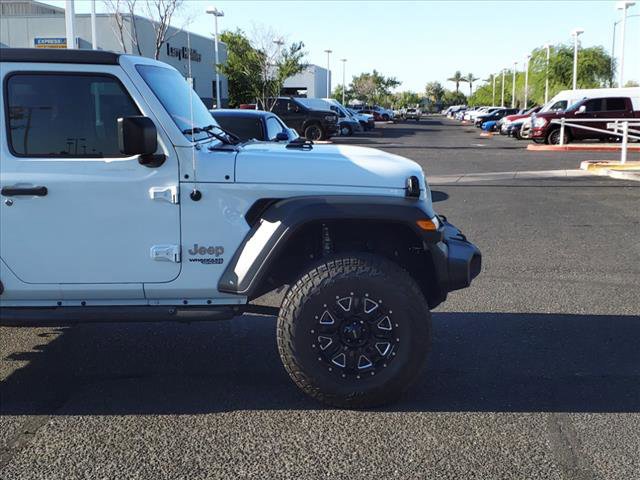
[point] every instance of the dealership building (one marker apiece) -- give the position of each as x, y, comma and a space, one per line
31, 24
310, 83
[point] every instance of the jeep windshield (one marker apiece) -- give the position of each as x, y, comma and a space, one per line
177, 97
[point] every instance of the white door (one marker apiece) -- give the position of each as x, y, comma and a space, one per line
73, 209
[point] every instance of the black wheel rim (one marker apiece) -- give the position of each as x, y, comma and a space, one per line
313, 133
355, 336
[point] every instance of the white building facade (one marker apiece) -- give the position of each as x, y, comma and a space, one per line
29, 24
311, 83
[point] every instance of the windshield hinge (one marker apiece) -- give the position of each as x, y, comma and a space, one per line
168, 194
166, 253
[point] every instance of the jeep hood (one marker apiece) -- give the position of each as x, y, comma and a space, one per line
335, 165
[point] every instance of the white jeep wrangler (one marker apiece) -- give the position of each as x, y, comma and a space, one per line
121, 198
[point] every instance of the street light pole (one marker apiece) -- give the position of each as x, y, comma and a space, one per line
502, 100
513, 91
493, 97
328, 52
70, 23
623, 6
94, 37
526, 82
216, 13
576, 33
344, 66
546, 81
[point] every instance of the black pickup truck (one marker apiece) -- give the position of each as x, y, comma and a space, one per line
310, 123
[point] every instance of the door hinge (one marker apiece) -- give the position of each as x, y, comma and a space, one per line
166, 253
168, 194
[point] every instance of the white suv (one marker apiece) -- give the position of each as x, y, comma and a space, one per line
119, 192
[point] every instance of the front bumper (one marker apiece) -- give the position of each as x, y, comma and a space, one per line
455, 261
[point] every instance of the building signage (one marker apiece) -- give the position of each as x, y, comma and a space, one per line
57, 42
183, 53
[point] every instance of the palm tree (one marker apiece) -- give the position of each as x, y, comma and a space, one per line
457, 78
470, 78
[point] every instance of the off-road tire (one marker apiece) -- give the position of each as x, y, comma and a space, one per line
314, 132
359, 275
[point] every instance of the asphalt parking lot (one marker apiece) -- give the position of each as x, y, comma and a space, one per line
534, 371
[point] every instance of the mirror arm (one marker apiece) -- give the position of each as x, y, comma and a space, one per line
153, 160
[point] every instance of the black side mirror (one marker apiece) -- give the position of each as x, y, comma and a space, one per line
138, 136
282, 136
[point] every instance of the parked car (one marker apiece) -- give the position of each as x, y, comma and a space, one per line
366, 120
254, 125
122, 199
586, 109
412, 114
495, 115
310, 122
376, 115
504, 123
347, 123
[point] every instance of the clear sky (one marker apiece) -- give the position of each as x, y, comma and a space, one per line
421, 41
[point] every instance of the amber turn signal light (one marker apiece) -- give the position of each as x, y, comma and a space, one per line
427, 224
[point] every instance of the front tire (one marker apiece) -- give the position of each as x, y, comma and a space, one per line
553, 137
347, 335
313, 132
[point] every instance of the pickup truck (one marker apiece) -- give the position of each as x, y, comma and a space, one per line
123, 198
606, 108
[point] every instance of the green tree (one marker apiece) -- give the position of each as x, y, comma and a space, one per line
470, 78
257, 73
434, 92
453, 98
457, 78
242, 68
406, 99
373, 87
632, 83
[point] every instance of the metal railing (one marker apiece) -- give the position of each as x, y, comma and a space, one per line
619, 127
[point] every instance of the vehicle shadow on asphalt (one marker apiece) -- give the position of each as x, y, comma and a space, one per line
502, 362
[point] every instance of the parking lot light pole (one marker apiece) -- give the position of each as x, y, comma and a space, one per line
513, 90
502, 99
216, 13
493, 101
94, 36
624, 6
328, 52
526, 81
575, 34
70, 23
546, 80
344, 66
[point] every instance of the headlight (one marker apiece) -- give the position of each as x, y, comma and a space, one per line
330, 118
506, 122
539, 122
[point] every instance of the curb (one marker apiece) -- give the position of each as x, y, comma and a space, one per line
629, 171
580, 148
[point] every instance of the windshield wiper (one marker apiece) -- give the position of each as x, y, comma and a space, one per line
228, 137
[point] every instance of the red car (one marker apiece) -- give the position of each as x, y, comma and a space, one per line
376, 116
526, 114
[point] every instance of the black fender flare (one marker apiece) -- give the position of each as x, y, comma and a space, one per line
271, 229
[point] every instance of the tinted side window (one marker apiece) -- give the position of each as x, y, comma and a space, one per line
273, 128
244, 127
61, 115
594, 105
616, 104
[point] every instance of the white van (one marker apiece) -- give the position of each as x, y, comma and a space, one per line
565, 98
